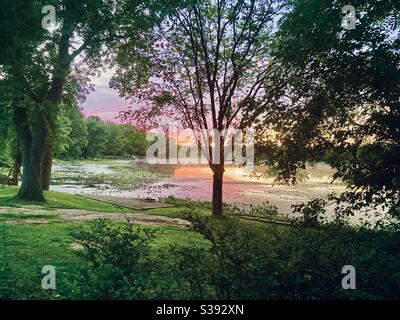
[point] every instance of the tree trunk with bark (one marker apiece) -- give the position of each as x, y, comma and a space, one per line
47, 161
218, 176
33, 143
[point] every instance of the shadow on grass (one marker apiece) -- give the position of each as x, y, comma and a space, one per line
8, 198
18, 216
57, 200
13, 201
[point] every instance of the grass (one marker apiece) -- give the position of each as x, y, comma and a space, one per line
26, 248
58, 200
177, 212
8, 216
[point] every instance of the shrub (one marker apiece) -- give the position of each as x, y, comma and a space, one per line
265, 210
245, 260
299, 262
116, 255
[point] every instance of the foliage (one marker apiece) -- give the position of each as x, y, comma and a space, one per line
244, 262
112, 140
121, 265
97, 136
236, 259
299, 262
334, 94
264, 210
44, 71
116, 257
8, 141
313, 91
208, 62
311, 213
77, 138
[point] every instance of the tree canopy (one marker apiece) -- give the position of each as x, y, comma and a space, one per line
45, 69
208, 63
335, 93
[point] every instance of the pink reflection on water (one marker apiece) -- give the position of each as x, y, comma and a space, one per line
195, 182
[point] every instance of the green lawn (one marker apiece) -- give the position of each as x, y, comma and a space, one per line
26, 247
303, 262
58, 200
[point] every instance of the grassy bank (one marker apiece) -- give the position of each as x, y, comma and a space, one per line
57, 200
26, 246
218, 259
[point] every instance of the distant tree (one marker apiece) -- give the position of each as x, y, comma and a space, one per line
78, 137
5, 124
107, 139
133, 141
114, 147
97, 138
61, 139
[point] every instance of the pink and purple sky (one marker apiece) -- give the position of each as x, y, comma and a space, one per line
104, 102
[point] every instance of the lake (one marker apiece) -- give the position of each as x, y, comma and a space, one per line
192, 182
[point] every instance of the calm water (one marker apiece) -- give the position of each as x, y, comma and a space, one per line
195, 182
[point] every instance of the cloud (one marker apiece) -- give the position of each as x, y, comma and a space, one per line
104, 78
104, 103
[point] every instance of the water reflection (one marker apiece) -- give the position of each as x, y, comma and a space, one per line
195, 182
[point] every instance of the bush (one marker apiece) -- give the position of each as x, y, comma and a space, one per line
116, 257
245, 263
121, 264
264, 210
245, 260
299, 262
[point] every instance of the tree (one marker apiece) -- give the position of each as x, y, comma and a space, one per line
18, 39
97, 137
18, 24
4, 133
62, 140
133, 141
208, 62
113, 145
338, 90
41, 70
9, 146
78, 135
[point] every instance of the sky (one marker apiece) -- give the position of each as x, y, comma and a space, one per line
104, 102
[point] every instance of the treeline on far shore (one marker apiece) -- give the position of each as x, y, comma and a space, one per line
78, 137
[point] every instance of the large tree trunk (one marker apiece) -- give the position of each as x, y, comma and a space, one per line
218, 176
54, 97
46, 167
34, 135
32, 145
31, 187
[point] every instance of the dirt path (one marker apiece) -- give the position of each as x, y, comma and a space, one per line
139, 218
37, 215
